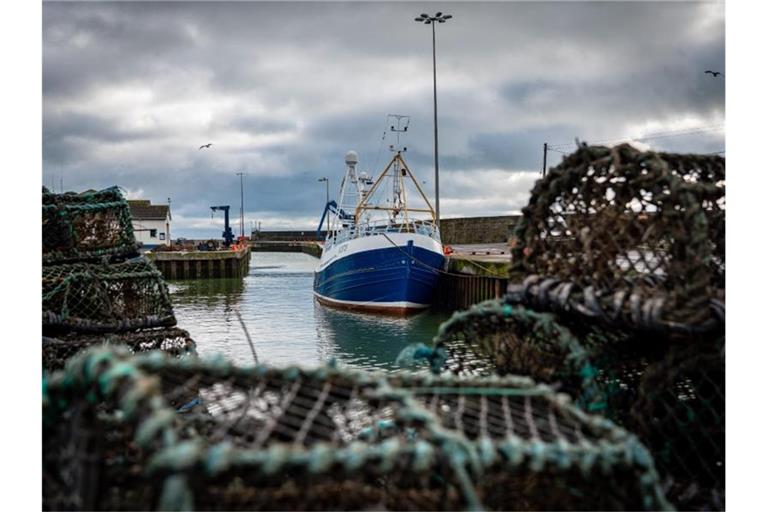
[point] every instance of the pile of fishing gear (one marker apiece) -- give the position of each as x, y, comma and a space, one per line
617, 299
96, 288
152, 431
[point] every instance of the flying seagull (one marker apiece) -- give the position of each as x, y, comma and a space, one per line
713, 73
205, 146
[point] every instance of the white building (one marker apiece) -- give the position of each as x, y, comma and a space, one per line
151, 222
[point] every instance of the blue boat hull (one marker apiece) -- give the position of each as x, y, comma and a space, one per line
391, 279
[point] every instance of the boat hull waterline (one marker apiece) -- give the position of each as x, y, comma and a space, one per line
392, 273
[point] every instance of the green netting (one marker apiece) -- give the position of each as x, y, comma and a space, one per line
155, 432
670, 391
171, 340
626, 236
680, 413
495, 337
86, 227
105, 297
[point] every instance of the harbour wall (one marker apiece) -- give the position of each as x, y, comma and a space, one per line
202, 264
477, 230
468, 281
459, 291
307, 247
465, 230
287, 236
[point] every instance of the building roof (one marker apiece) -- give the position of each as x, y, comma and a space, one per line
141, 209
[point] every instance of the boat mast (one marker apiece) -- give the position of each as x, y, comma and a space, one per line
399, 204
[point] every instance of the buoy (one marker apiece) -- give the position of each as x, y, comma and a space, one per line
447, 250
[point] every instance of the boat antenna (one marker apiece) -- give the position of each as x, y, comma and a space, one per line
400, 125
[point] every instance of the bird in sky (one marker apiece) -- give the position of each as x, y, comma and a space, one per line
714, 74
205, 146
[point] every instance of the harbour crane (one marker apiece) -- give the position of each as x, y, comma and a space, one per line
227, 234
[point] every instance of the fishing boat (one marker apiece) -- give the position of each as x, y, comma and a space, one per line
378, 255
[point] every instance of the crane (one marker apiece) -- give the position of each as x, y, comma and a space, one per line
227, 234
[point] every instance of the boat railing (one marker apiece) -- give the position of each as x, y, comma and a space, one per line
422, 227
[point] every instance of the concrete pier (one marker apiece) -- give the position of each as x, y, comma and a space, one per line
202, 264
474, 274
460, 291
312, 248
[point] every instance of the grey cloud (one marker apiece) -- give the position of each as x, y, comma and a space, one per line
255, 124
285, 89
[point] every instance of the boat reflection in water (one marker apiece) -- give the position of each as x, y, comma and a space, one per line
286, 324
366, 341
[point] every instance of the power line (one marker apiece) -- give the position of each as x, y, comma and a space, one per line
650, 136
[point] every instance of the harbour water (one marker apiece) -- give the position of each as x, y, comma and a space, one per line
284, 321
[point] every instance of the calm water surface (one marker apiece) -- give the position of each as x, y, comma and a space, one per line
286, 324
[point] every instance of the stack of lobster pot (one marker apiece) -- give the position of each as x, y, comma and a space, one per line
146, 431
96, 287
150, 431
617, 297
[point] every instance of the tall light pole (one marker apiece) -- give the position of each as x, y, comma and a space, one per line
432, 20
327, 200
242, 215
168, 225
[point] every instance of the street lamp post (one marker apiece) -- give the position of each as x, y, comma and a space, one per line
242, 217
327, 200
432, 20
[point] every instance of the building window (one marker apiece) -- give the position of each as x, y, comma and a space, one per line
162, 236
152, 233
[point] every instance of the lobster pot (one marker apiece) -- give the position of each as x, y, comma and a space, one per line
190, 434
539, 451
598, 367
86, 227
172, 340
706, 173
619, 236
680, 414
668, 390
105, 298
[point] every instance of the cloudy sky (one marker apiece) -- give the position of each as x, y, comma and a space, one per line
283, 90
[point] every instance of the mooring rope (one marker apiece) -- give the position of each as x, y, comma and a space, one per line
247, 336
437, 270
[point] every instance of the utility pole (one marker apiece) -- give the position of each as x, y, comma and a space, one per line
242, 215
544, 167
